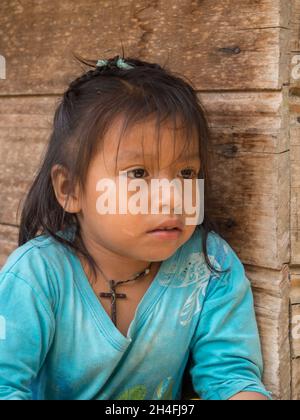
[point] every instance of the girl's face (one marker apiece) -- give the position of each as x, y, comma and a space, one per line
128, 234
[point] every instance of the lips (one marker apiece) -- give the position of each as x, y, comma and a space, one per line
170, 225
165, 234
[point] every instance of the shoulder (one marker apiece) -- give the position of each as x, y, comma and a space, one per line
219, 253
35, 255
228, 280
41, 263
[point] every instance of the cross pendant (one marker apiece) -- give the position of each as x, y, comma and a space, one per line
113, 295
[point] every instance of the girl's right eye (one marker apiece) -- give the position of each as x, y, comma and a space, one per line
137, 173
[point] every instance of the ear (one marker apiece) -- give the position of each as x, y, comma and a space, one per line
69, 200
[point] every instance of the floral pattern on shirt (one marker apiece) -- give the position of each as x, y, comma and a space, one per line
139, 392
194, 272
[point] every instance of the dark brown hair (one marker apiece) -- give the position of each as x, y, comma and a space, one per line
87, 109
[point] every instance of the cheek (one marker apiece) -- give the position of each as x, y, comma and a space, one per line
120, 230
188, 232
89, 204
120, 200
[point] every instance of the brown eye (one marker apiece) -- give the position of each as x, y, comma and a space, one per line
188, 173
137, 173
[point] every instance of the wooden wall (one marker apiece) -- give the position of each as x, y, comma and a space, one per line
239, 55
294, 101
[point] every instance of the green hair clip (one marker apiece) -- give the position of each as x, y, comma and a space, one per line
120, 63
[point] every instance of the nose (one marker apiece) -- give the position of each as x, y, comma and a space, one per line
166, 196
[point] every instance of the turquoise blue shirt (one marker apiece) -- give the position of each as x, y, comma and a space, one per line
58, 343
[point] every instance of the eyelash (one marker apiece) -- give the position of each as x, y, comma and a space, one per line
138, 169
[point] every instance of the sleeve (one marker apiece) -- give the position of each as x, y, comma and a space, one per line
226, 354
26, 333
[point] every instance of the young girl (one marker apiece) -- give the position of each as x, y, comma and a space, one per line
115, 306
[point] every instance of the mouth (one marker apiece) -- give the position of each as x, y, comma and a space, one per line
166, 232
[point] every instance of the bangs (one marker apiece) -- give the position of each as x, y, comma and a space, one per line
182, 122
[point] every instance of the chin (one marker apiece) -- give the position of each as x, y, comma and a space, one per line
164, 254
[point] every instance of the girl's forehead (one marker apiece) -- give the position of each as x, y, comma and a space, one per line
146, 140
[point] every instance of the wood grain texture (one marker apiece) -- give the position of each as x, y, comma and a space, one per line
294, 108
294, 104
220, 45
296, 379
253, 212
250, 143
295, 172
295, 26
248, 121
271, 295
295, 285
295, 330
24, 130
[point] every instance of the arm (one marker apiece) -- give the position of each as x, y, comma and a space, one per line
27, 332
226, 352
249, 396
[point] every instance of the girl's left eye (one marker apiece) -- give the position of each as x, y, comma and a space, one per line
189, 173
137, 173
